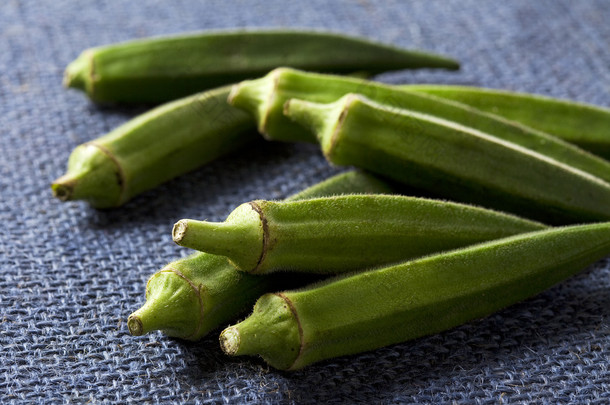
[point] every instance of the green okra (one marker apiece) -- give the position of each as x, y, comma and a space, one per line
394, 304
344, 233
587, 126
154, 147
452, 160
264, 98
165, 68
192, 296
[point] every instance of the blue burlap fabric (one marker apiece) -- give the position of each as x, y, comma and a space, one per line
70, 275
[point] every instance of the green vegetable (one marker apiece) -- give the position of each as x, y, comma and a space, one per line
166, 68
453, 161
345, 233
264, 98
154, 147
381, 307
585, 125
190, 297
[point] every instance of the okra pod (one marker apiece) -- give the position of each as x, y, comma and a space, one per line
154, 147
452, 160
264, 98
344, 233
394, 304
161, 69
587, 126
191, 296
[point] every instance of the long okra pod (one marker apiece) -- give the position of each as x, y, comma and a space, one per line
344, 233
452, 160
154, 147
587, 126
191, 296
264, 98
165, 68
376, 308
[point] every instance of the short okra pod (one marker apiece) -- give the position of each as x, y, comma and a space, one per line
452, 160
344, 233
585, 125
161, 69
394, 304
192, 296
264, 98
153, 148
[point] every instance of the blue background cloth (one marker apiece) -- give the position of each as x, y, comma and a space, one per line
70, 275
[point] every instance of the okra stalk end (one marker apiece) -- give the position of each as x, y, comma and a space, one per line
272, 331
93, 175
78, 72
173, 305
321, 119
253, 97
240, 238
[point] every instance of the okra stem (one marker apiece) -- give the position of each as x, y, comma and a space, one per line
153, 148
155, 70
371, 309
344, 233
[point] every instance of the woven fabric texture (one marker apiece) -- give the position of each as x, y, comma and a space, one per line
70, 275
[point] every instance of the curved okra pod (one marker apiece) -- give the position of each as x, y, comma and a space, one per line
166, 68
381, 307
344, 233
264, 98
154, 147
587, 126
453, 161
191, 296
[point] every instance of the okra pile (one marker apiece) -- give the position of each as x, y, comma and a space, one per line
517, 186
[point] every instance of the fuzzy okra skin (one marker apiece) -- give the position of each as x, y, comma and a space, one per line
452, 161
165, 68
587, 126
394, 304
192, 296
344, 233
153, 148
264, 98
